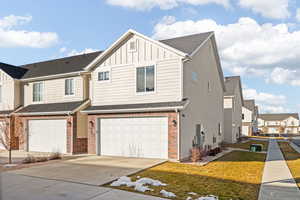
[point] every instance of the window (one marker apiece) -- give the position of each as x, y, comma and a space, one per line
208, 87
37, 92
145, 79
103, 76
132, 46
243, 116
219, 129
69, 86
0, 93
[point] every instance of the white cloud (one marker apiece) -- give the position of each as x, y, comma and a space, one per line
267, 102
63, 49
84, 51
162, 4
246, 47
298, 14
277, 9
284, 76
23, 38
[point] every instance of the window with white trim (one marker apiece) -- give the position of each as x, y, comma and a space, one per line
132, 45
145, 79
103, 76
37, 92
69, 86
0, 93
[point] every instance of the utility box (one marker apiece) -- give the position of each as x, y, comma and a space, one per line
256, 147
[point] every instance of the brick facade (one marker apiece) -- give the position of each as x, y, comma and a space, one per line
74, 144
172, 129
10, 124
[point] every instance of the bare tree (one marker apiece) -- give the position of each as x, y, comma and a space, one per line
6, 137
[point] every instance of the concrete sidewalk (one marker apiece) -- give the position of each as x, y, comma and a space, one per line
277, 182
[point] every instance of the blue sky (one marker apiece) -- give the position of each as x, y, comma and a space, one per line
259, 40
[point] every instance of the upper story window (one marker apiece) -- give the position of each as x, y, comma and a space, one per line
243, 116
0, 93
69, 86
132, 45
145, 79
37, 92
103, 76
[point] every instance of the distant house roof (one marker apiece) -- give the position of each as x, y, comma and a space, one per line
187, 44
278, 117
13, 71
231, 82
59, 66
250, 104
50, 108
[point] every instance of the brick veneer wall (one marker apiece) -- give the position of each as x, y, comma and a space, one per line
74, 145
172, 129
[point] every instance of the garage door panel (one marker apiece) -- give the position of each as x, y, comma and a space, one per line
47, 135
134, 137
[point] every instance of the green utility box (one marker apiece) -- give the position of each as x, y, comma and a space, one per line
256, 147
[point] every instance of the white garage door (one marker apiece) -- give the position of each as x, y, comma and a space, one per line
134, 137
2, 128
47, 135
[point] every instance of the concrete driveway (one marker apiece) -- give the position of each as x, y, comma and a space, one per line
90, 170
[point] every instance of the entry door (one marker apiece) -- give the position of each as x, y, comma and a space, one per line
134, 137
47, 135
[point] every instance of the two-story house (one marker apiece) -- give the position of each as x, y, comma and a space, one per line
10, 99
249, 117
53, 93
156, 99
279, 123
233, 103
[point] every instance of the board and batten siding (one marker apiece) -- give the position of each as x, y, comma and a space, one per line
121, 89
54, 91
7, 83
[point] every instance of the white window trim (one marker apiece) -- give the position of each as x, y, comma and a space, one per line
43, 93
1, 93
70, 95
104, 69
135, 79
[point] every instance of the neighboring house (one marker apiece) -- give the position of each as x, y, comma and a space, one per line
53, 93
10, 99
286, 123
156, 99
233, 103
249, 117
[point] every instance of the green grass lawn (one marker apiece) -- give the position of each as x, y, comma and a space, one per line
247, 145
236, 175
293, 160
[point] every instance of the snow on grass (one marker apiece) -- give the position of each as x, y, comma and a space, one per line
210, 197
140, 185
167, 194
192, 193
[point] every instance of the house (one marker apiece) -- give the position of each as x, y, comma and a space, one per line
53, 93
287, 123
233, 103
156, 99
249, 117
10, 99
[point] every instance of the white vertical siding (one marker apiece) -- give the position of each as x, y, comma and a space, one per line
121, 89
8, 92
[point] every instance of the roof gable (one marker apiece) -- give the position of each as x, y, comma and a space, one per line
12, 71
231, 84
278, 116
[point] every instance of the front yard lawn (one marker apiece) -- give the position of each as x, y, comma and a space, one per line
236, 175
293, 160
246, 145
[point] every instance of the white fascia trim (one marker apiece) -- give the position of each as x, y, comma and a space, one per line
125, 35
201, 45
53, 76
45, 113
134, 110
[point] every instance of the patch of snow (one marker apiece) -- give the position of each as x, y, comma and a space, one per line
149, 181
122, 181
142, 188
167, 194
210, 197
192, 193
189, 198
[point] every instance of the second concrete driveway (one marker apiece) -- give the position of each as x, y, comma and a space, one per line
91, 170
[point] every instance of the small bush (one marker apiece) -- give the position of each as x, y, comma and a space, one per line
41, 159
29, 159
55, 156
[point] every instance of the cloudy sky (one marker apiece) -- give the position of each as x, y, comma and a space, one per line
259, 40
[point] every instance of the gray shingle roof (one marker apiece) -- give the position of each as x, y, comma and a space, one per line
278, 116
187, 44
5, 112
231, 82
136, 106
51, 107
13, 71
250, 104
59, 66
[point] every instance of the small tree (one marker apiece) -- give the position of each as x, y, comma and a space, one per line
6, 137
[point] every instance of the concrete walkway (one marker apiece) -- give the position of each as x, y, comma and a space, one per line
20, 187
277, 182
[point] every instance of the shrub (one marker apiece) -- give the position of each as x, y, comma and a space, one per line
55, 156
29, 159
